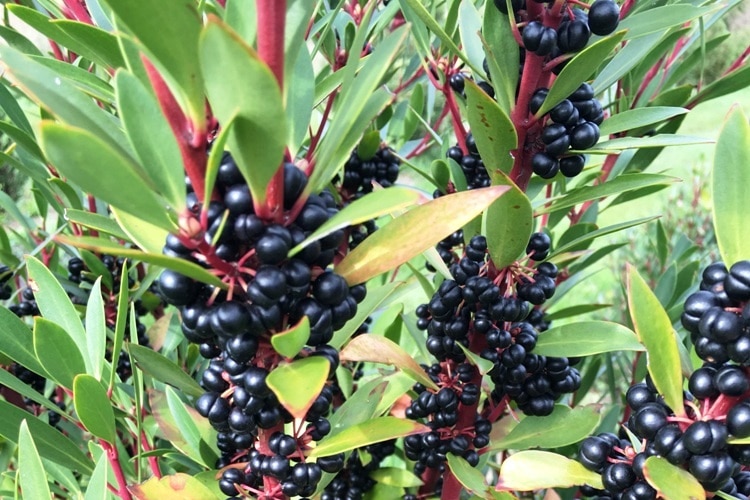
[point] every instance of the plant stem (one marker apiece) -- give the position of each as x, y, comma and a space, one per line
114, 462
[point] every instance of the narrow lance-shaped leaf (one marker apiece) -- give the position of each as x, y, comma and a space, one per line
17, 342
94, 408
298, 384
639, 117
57, 352
414, 232
562, 427
584, 338
31, 475
509, 222
501, 51
534, 470
470, 478
654, 329
250, 96
730, 184
163, 369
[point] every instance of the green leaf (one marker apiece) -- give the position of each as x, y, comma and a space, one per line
55, 305
95, 221
361, 406
11, 382
562, 427
623, 183
367, 433
97, 487
151, 138
51, 443
732, 82
576, 310
394, 476
79, 156
501, 51
300, 96
17, 342
493, 131
163, 370
509, 222
730, 181
662, 18
588, 237
169, 32
469, 477
578, 69
18, 41
94, 408
672, 482
111, 248
298, 384
57, 352
31, 475
626, 59
585, 338
149, 237
656, 141
370, 206
654, 330
187, 422
414, 232
639, 117
250, 96
13, 110
179, 485
289, 343
374, 298
483, 365
22, 139
534, 470
469, 27
379, 349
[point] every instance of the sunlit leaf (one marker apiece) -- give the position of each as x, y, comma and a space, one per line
534, 470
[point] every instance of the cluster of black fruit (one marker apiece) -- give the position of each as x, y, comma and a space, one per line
272, 292
360, 173
717, 409
718, 315
471, 164
573, 123
355, 480
574, 30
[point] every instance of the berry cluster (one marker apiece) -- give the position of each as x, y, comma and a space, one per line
269, 293
573, 123
471, 164
718, 315
360, 173
354, 480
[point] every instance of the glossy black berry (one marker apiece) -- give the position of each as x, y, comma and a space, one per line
537, 99
731, 380
604, 16
177, 288
570, 166
545, 166
572, 36
457, 82
584, 136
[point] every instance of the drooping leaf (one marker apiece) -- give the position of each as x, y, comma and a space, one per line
94, 408
562, 427
509, 223
288, 343
298, 383
378, 349
250, 97
638, 117
174, 486
95, 221
470, 478
55, 305
654, 330
534, 470
51, 443
414, 232
672, 482
493, 131
79, 156
373, 431
579, 69
163, 369
584, 338
57, 352
370, 206
31, 475
730, 181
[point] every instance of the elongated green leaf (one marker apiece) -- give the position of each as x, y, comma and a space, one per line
11, 382
80, 78
95, 221
163, 370
57, 352
179, 485
659, 19
186, 423
672, 482
732, 82
626, 59
298, 383
169, 32
149, 237
493, 132
290, 342
17, 342
414, 232
299, 85
370, 206
588, 237
501, 51
31, 475
96, 329
622, 183
534, 470
65, 101
654, 329
578, 69
79, 155
509, 223
729, 187
394, 476
250, 96
639, 117
22, 139
373, 431
469, 27
360, 407
585, 338
379, 349
562, 427
151, 138
51, 443
656, 141
55, 305
94, 408
97, 487
375, 297
109, 247
18, 41
469, 477
13, 110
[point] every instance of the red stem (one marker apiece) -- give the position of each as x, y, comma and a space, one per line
153, 462
79, 11
114, 462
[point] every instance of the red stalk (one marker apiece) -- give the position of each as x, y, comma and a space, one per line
79, 11
114, 462
271, 24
